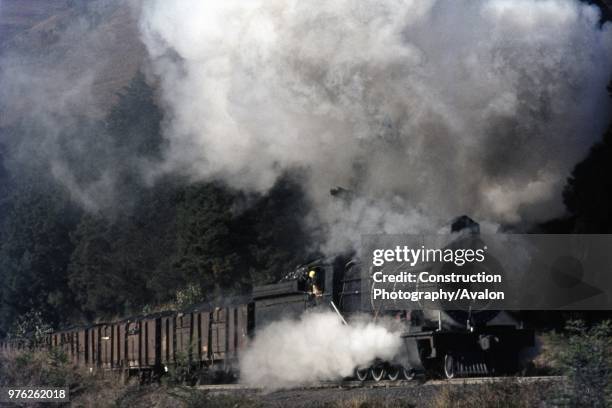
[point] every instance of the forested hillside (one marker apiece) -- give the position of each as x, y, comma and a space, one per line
136, 253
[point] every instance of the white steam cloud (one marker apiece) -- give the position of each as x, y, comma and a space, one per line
428, 109
317, 347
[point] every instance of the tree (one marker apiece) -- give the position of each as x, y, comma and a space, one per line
277, 240
209, 251
117, 261
134, 122
34, 251
588, 192
119, 249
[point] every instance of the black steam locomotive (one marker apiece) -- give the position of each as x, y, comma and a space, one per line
435, 342
211, 337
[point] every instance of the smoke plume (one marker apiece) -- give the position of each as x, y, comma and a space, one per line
428, 109
424, 108
315, 348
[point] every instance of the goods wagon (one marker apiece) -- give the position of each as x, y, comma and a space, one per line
105, 344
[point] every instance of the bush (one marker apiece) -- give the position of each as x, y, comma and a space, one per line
37, 368
188, 296
550, 346
30, 330
181, 372
587, 364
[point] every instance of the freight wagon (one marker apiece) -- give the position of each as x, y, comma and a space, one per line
205, 336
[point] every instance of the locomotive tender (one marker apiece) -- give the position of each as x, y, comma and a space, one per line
212, 336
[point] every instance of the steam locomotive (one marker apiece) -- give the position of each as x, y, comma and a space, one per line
447, 343
211, 337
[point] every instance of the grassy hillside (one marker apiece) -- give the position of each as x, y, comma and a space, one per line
73, 38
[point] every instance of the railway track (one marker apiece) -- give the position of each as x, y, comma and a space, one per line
386, 383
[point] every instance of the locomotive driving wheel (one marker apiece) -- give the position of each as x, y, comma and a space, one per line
361, 373
394, 372
408, 373
450, 366
378, 372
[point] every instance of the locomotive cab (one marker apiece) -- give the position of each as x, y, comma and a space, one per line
308, 286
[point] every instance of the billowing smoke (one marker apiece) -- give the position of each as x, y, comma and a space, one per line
425, 108
316, 347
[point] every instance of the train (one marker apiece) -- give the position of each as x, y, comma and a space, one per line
210, 338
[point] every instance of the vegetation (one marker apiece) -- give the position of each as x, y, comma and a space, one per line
588, 193
41, 368
587, 363
181, 372
550, 346
30, 330
505, 394
52, 368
